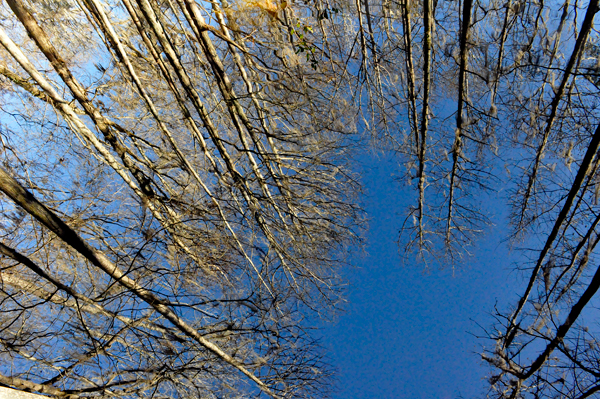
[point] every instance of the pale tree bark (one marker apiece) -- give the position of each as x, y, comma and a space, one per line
221, 217
27, 201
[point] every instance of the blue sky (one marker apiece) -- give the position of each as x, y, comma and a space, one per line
408, 332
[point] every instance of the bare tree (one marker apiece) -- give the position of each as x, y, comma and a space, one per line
520, 80
176, 199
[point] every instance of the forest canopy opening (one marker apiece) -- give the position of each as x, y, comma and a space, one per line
180, 189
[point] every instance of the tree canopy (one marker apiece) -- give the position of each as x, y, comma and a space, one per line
179, 191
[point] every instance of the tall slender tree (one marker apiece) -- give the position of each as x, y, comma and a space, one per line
177, 192
176, 201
